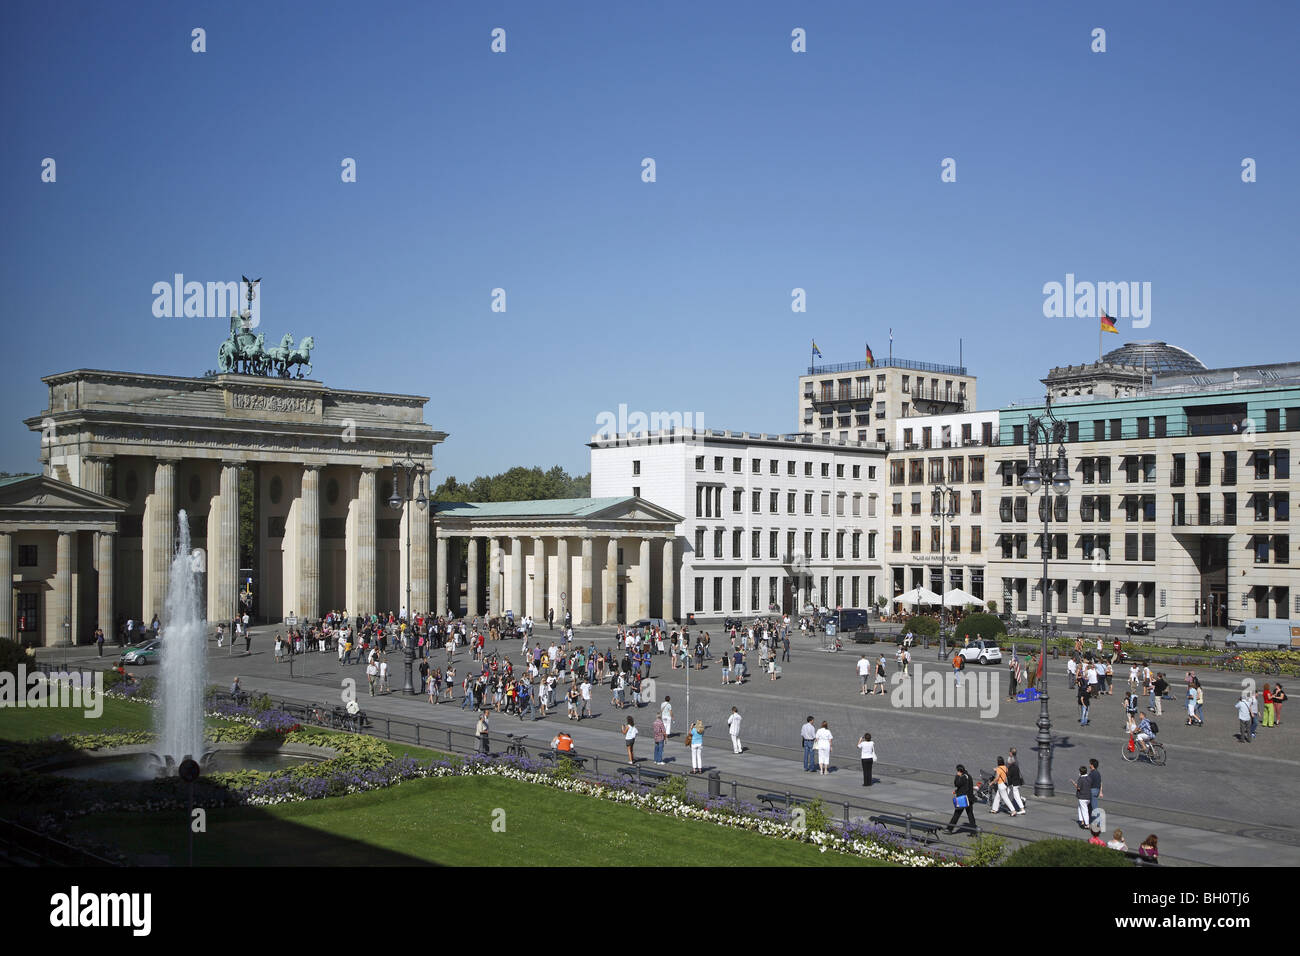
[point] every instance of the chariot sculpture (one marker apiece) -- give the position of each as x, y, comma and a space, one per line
245, 352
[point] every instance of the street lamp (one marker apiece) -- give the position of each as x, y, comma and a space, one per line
413, 482
944, 508
1052, 432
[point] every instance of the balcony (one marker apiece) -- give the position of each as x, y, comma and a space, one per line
1202, 479
1178, 479
1228, 476
853, 393
1204, 519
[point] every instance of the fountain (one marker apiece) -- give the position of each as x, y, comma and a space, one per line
184, 656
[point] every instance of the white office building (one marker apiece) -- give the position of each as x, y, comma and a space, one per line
771, 521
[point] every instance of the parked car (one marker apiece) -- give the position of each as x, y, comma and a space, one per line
648, 623
982, 652
1264, 633
146, 653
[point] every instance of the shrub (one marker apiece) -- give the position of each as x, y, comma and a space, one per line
1066, 853
985, 626
11, 655
815, 817
993, 606
921, 626
674, 786
564, 769
986, 850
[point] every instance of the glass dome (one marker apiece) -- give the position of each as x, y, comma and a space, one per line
1158, 357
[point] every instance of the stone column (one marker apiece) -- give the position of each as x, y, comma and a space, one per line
363, 560
7, 587
309, 544
667, 602
60, 600
611, 582
588, 584
107, 553
420, 597
473, 606
643, 580
516, 577
562, 579
440, 588
159, 524
223, 546
495, 560
539, 579
94, 477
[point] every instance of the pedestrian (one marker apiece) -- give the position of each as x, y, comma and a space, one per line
808, 734
697, 747
585, 690
963, 795
660, 735
99, 638
1279, 695
726, 668
880, 676
1243, 719
248, 638
958, 665
864, 672
1253, 701
1200, 701
666, 714
733, 728
824, 739
1013, 668
482, 730
629, 738
1094, 788
867, 751
1083, 703
372, 672
1082, 791
1015, 781
785, 646
1001, 777
1192, 716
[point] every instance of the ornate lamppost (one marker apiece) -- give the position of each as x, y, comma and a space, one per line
943, 507
1052, 432
410, 488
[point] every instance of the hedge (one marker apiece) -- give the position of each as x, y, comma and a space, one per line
986, 626
1066, 853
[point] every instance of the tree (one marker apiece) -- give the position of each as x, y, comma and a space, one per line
516, 484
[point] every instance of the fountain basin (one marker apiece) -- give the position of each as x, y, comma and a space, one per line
140, 762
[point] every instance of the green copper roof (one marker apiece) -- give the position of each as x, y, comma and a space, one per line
14, 478
566, 507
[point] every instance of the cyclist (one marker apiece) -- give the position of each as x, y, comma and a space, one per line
1144, 734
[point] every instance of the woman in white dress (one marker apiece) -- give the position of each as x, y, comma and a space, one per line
822, 741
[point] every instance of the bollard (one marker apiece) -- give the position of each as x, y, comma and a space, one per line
787, 801
909, 824
846, 815
638, 774
417, 734
735, 796
448, 740
388, 728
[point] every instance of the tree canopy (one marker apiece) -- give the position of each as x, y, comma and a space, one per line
517, 484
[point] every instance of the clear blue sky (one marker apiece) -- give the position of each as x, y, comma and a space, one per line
523, 171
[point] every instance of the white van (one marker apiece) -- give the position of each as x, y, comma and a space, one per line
1266, 633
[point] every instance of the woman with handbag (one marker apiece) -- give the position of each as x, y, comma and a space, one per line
963, 794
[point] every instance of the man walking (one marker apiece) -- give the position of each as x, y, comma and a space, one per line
1094, 788
864, 672
660, 735
586, 699
1243, 719
666, 715
808, 734
733, 728
482, 730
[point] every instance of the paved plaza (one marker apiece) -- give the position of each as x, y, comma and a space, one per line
1217, 802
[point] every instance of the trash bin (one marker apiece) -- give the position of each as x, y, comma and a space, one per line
690, 617
830, 628
715, 783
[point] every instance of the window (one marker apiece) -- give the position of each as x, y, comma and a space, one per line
1115, 429
857, 547
699, 462
756, 544
1178, 476
839, 471
699, 542
826, 502
826, 469
1148, 507
755, 466
956, 540
1281, 506
936, 470
880, 409
1282, 463
756, 502
789, 502
916, 539
756, 584
773, 467
735, 465
839, 545
737, 544
954, 469
916, 502
1261, 549
976, 502
1130, 547
857, 506
896, 508
977, 468
717, 463
907, 438
808, 503
935, 537
916, 471
1103, 471
1017, 434
699, 593
1144, 427
27, 556
737, 500
717, 543
975, 540
717, 594
906, 383
1103, 507
1148, 468
636, 491
826, 545
807, 469
1281, 549
789, 468
773, 502
926, 440
807, 545
773, 545
857, 471
897, 544
896, 472
636, 467
1148, 547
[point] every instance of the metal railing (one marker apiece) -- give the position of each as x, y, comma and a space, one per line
888, 363
20, 844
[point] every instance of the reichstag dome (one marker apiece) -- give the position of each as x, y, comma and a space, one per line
1158, 357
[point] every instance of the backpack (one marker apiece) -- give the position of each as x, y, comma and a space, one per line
1155, 729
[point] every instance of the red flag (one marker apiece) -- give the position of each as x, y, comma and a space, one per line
1040, 667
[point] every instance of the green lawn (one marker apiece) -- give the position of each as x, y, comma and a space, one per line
32, 723
448, 822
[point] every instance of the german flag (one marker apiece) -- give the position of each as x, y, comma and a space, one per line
1107, 323
871, 359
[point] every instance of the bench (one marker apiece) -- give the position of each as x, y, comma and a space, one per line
1140, 860
928, 829
553, 758
643, 773
772, 799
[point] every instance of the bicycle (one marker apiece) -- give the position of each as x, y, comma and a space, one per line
1153, 750
516, 746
